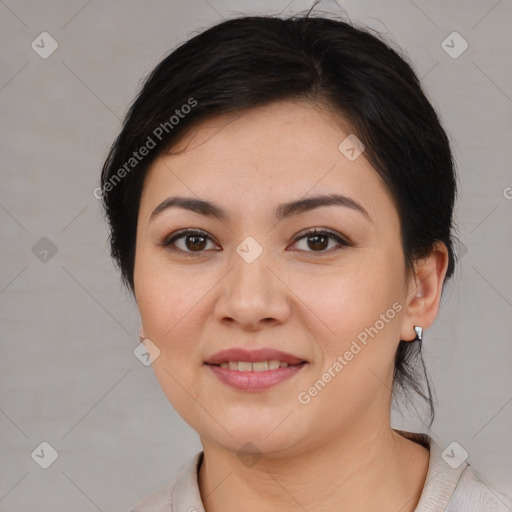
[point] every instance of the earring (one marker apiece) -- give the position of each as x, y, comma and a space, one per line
419, 333
141, 338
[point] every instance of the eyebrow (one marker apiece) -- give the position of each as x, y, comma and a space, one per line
283, 211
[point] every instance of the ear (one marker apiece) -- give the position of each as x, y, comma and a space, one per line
424, 291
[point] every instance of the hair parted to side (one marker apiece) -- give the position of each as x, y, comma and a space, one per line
252, 61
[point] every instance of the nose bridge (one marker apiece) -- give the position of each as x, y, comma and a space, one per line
251, 278
251, 292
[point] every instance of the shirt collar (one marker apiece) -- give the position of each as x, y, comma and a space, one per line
443, 475
445, 468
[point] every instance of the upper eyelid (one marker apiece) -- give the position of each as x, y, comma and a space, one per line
188, 231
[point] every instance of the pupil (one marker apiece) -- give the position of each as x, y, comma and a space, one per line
318, 245
194, 244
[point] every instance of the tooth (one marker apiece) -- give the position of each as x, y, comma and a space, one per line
260, 366
273, 364
244, 366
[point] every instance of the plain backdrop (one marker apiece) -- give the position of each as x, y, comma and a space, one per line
68, 373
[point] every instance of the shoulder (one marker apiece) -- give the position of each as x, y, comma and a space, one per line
474, 494
158, 501
452, 485
182, 494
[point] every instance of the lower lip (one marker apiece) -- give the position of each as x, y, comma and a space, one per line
254, 381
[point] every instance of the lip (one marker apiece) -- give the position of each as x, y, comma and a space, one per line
254, 381
260, 354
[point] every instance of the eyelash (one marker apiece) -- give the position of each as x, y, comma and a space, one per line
169, 240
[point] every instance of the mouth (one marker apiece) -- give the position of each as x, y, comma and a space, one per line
256, 369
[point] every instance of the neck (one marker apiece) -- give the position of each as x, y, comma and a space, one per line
373, 470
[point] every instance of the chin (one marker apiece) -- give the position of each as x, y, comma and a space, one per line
256, 438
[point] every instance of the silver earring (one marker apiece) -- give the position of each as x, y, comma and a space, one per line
419, 333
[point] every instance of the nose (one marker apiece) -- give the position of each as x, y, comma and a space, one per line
252, 295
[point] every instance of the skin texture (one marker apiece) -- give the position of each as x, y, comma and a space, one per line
337, 452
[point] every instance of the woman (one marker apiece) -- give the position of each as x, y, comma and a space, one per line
280, 201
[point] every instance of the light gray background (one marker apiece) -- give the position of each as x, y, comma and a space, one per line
68, 329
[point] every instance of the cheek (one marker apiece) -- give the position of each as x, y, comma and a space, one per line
344, 301
170, 304
357, 336
353, 313
167, 302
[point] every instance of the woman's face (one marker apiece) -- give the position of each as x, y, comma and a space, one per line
254, 279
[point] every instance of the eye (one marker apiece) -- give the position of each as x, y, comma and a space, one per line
318, 240
196, 241
192, 241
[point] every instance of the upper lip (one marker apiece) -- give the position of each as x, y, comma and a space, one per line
260, 354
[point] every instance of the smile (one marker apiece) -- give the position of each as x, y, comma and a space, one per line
256, 366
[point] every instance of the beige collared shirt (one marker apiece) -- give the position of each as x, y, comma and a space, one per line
449, 487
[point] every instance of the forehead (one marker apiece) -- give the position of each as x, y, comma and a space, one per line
277, 152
